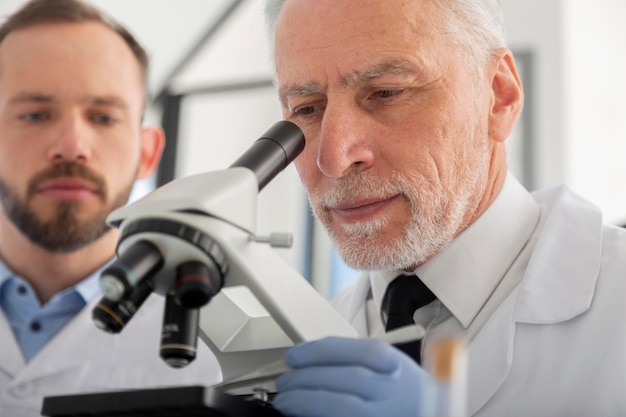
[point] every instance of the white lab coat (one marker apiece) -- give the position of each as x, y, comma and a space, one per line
557, 344
81, 358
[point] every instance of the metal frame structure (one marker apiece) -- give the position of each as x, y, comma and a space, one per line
171, 102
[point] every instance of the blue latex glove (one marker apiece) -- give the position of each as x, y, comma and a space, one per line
339, 377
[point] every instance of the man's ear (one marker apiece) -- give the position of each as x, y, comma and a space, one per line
507, 96
152, 145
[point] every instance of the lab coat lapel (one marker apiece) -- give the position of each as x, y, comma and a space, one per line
11, 359
73, 341
562, 273
556, 287
489, 355
352, 305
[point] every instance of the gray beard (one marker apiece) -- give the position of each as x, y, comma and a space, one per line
436, 216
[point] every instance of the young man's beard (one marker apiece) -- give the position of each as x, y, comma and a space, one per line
65, 233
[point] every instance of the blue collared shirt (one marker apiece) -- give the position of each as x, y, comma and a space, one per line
34, 324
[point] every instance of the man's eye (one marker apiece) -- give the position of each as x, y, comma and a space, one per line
104, 119
303, 111
308, 110
35, 116
386, 93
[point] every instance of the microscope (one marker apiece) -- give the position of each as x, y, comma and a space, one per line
194, 242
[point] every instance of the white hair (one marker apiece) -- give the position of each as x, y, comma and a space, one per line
475, 25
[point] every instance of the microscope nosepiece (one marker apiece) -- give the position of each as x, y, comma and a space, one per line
196, 283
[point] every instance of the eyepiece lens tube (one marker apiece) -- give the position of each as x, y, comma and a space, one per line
271, 153
196, 283
179, 337
140, 260
112, 316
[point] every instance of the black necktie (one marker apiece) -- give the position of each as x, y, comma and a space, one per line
404, 296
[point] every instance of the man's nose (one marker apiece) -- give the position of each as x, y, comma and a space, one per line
345, 143
71, 142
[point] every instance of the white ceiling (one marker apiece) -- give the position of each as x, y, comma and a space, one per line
170, 29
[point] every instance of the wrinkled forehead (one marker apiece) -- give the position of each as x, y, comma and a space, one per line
311, 19
346, 37
311, 24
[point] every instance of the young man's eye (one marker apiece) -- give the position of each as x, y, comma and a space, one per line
104, 119
35, 116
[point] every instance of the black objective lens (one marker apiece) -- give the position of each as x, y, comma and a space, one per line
140, 260
179, 337
196, 283
112, 316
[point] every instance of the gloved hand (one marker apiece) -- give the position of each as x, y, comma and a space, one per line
339, 377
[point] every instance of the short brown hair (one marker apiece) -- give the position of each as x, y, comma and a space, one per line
72, 11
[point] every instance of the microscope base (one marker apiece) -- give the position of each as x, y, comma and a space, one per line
162, 402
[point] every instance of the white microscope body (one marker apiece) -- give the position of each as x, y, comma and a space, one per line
193, 241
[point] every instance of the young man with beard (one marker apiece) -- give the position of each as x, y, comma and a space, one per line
72, 96
406, 106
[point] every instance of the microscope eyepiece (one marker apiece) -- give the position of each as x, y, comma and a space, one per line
272, 152
137, 262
